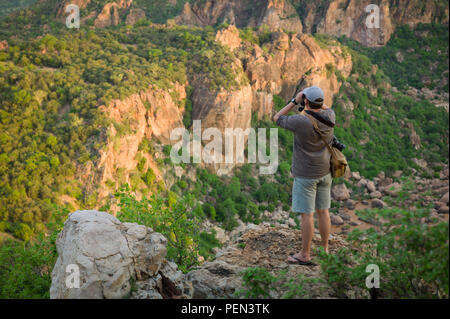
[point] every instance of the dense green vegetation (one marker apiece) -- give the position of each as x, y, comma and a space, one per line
244, 195
258, 282
158, 11
25, 267
53, 80
173, 217
416, 57
374, 126
412, 256
8, 6
51, 90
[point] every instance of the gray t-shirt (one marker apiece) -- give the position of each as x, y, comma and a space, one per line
311, 158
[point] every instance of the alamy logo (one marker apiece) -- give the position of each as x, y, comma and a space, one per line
225, 150
73, 19
373, 19
73, 277
373, 280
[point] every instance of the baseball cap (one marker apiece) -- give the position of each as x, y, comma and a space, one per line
314, 94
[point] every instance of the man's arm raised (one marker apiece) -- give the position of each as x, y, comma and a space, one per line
285, 110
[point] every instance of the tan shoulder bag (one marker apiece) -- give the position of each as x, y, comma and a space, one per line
338, 162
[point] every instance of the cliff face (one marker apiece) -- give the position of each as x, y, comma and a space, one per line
277, 68
149, 115
343, 17
154, 113
333, 17
61, 11
277, 14
293, 57
110, 15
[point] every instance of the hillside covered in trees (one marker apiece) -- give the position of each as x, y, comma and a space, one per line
73, 100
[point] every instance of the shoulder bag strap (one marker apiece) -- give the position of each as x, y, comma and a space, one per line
316, 128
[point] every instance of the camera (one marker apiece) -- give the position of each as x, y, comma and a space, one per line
337, 144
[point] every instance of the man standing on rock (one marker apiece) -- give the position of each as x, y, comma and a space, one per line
310, 166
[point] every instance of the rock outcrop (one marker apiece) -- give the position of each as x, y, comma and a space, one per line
333, 17
222, 109
261, 246
150, 114
110, 256
276, 69
276, 14
343, 17
4, 45
440, 99
119, 260
293, 57
82, 4
134, 16
110, 15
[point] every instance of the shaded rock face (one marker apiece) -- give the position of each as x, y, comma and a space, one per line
109, 255
274, 70
275, 73
62, 7
134, 16
110, 15
150, 114
276, 14
343, 17
222, 109
264, 246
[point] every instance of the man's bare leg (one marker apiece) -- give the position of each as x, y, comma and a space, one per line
307, 228
324, 223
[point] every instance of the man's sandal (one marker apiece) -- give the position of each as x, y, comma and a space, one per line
301, 262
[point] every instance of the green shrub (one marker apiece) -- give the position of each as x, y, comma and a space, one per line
225, 213
149, 177
23, 232
267, 192
258, 283
207, 242
25, 267
413, 257
168, 215
209, 210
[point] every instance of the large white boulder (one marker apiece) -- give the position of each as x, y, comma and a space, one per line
109, 255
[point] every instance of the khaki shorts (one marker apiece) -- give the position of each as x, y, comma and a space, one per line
311, 194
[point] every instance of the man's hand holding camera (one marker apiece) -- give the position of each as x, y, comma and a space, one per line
289, 107
298, 100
